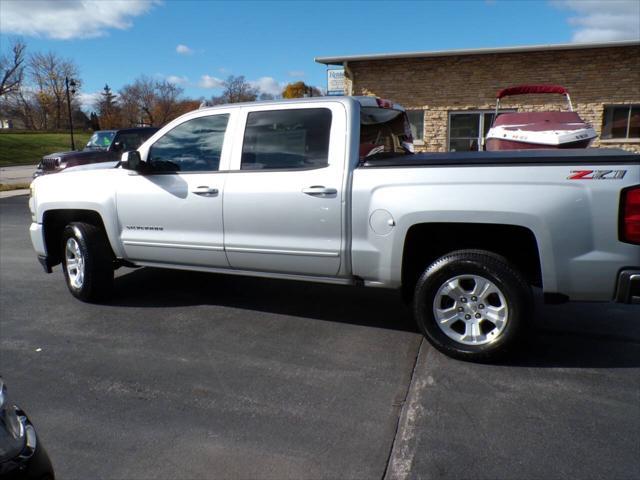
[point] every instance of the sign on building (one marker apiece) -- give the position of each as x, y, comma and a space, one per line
335, 82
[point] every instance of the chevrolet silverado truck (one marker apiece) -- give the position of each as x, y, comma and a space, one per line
103, 146
329, 190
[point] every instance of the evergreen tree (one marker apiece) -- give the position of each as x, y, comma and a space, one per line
108, 109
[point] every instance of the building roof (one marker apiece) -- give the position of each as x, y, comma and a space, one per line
475, 51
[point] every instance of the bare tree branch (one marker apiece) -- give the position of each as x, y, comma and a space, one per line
12, 68
236, 89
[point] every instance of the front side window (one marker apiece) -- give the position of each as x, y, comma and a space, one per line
621, 121
467, 130
192, 146
287, 139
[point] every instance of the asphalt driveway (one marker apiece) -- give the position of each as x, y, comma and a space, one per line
188, 375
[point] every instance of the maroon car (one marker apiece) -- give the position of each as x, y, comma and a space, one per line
103, 146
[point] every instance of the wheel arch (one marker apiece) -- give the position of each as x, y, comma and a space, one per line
426, 242
55, 220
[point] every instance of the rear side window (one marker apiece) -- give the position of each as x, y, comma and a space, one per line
192, 146
287, 139
384, 132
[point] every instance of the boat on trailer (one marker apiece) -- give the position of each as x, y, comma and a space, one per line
546, 129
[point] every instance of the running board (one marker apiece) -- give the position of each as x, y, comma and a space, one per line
353, 281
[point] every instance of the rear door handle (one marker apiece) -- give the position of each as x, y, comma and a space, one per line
205, 191
319, 191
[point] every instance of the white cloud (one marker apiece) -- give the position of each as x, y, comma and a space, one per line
603, 20
177, 80
296, 73
268, 85
207, 81
184, 50
88, 100
66, 19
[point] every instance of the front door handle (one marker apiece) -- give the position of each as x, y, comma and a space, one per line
319, 191
205, 191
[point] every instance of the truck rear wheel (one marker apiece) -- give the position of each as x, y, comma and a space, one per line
472, 305
87, 262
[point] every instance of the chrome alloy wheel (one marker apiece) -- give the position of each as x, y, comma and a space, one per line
74, 260
470, 309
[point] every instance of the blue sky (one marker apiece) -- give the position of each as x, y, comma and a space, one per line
199, 43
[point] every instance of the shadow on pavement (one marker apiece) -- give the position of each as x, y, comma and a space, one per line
582, 335
576, 335
575, 350
152, 287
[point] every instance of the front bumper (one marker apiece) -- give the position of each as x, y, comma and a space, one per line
36, 232
37, 239
33, 463
628, 290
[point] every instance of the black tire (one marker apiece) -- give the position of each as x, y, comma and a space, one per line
482, 265
97, 256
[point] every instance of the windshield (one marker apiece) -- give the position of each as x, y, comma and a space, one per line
384, 132
100, 140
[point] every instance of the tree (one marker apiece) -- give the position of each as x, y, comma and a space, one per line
150, 102
137, 101
167, 101
299, 90
48, 72
108, 109
236, 89
95, 122
12, 69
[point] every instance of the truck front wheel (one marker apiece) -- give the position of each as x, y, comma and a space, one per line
472, 305
87, 262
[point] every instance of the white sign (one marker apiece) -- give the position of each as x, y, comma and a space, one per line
335, 82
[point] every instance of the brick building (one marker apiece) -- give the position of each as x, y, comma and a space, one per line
450, 95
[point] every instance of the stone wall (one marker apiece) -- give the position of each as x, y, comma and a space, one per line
594, 77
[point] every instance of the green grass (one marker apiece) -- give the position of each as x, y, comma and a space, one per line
28, 148
7, 187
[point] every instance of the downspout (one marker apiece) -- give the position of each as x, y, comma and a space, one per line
349, 75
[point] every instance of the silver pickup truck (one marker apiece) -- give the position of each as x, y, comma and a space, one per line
329, 190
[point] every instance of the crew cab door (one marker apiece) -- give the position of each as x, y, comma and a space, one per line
172, 212
283, 196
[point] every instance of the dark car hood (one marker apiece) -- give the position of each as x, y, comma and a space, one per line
79, 155
55, 162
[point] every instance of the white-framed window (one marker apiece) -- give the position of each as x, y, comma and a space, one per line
621, 121
468, 128
416, 120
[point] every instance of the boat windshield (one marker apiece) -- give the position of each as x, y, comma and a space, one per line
384, 132
100, 140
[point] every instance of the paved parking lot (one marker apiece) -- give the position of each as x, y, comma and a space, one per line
188, 375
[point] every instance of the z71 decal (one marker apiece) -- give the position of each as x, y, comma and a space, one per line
597, 175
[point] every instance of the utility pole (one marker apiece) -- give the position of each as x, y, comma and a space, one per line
70, 82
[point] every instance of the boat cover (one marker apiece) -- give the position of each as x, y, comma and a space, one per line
526, 89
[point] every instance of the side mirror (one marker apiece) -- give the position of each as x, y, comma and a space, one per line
131, 161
